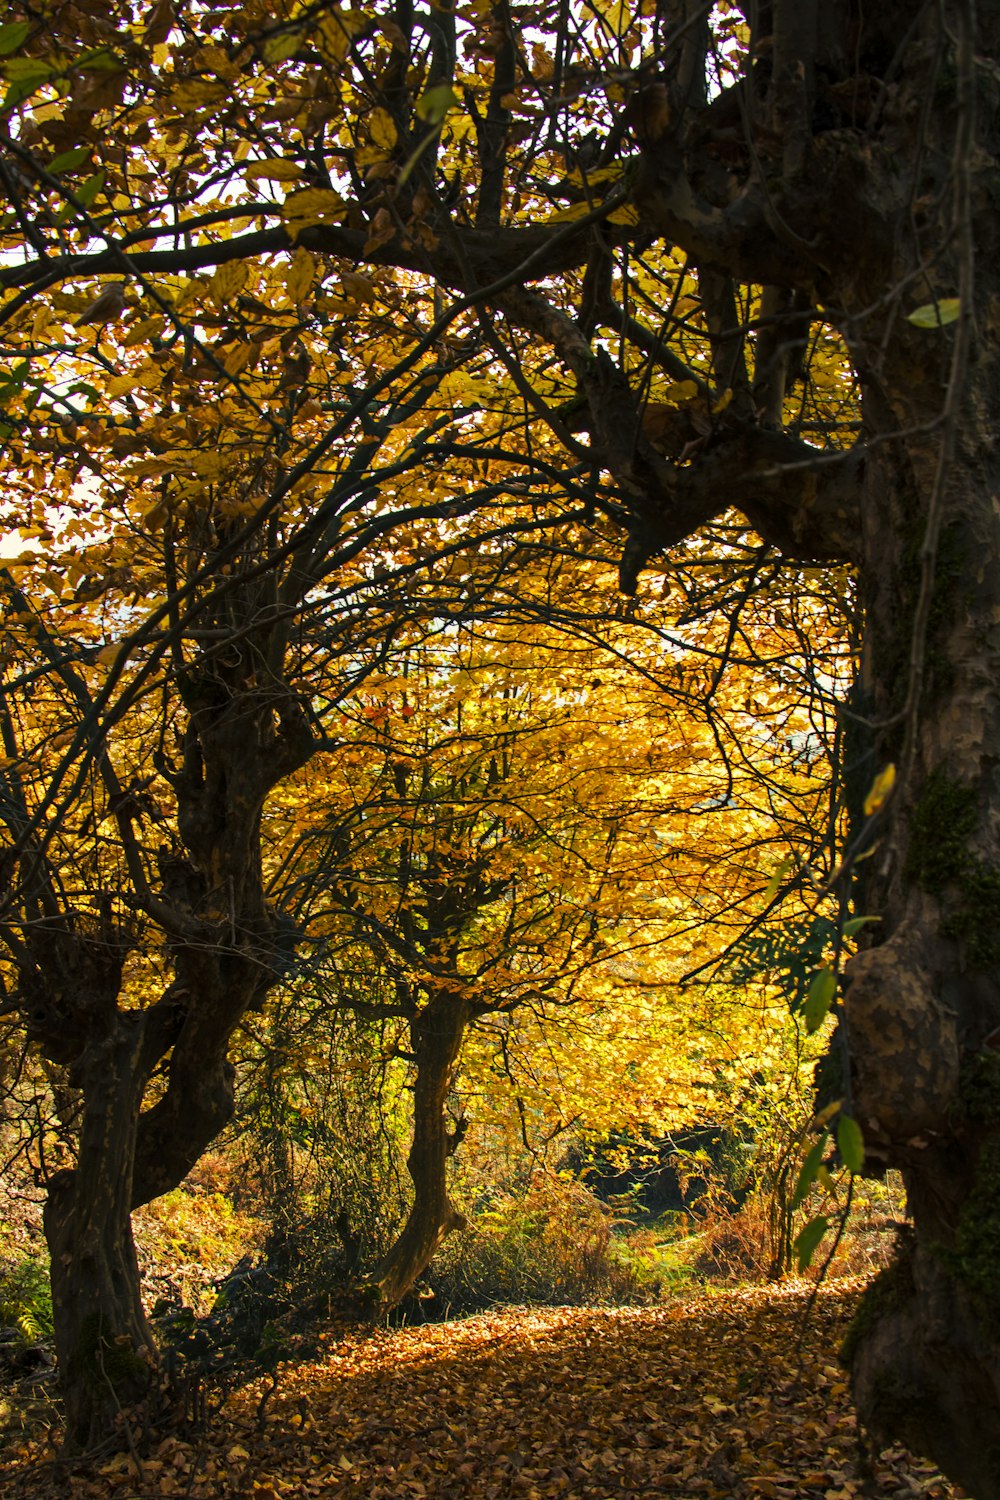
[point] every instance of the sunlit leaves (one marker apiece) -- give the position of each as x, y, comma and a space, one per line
809, 1170
880, 791
279, 169
435, 102
808, 1240
936, 314
850, 1143
306, 475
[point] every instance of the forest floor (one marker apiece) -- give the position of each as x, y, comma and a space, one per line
726, 1395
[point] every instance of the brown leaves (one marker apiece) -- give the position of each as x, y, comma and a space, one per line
706, 1398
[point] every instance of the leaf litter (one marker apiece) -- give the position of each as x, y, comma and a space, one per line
726, 1396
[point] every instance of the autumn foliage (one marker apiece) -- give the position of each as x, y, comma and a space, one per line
497, 601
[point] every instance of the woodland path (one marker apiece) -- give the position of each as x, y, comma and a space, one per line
717, 1397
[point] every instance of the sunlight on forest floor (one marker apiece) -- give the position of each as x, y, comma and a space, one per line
728, 1395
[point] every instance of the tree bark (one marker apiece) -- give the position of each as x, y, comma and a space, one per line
875, 214
104, 1345
923, 1006
436, 1034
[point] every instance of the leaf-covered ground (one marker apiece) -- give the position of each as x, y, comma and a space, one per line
722, 1396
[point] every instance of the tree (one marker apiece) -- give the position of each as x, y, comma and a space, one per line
487, 843
599, 268
482, 849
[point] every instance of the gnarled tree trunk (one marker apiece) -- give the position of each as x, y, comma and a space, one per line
104, 1345
227, 949
923, 1006
436, 1034
880, 212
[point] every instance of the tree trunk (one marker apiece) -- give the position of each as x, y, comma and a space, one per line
923, 1004
104, 1344
436, 1034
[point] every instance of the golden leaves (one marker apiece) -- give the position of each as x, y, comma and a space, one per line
311, 206
300, 275
228, 280
274, 169
880, 791
731, 1393
382, 129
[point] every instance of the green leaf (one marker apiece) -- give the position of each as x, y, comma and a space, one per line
432, 106
855, 924
775, 881
101, 59
24, 69
434, 103
936, 314
822, 992
67, 160
20, 91
278, 49
90, 189
808, 1239
851, 1143
810, 1167
12, 35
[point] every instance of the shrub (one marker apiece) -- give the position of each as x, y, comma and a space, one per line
554, 1244
26, 1300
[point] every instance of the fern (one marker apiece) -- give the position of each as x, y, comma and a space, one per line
26, 1300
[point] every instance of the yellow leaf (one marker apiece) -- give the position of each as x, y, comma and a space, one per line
237, 359
146, 328
336, 30
568, 214
880, 790
300, 275
361, 288
191, 96
275, 169
120, 385
312, 206
228, 280
278, 49
382, 129
41, 321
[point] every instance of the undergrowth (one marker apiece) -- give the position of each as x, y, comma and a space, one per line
555, 1243
26, 1301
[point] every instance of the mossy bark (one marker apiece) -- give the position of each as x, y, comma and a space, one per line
923, 1002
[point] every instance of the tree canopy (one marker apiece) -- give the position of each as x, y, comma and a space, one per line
342, 344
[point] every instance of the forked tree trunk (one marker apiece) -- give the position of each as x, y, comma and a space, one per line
436, 1035
104, 1344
